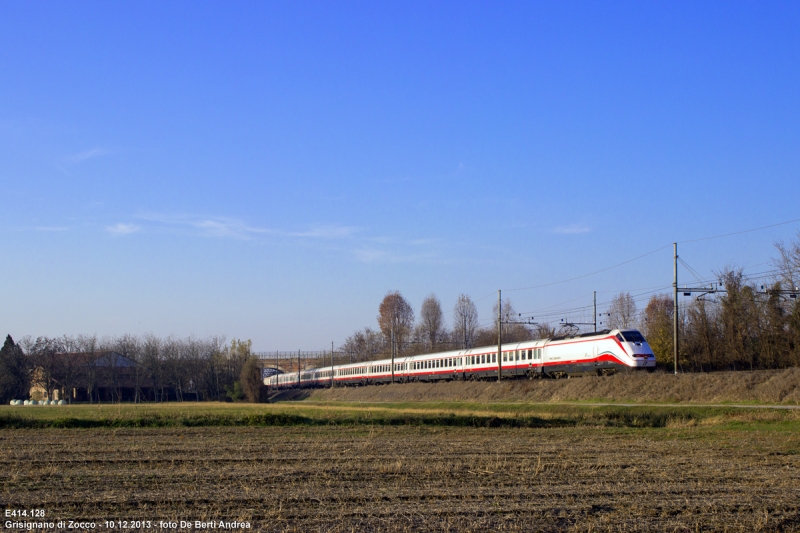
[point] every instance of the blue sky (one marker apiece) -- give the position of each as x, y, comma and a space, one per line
269, 170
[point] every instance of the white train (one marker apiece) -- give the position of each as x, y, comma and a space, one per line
603, 352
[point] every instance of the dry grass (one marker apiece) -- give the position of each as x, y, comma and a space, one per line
407, 478
439, 414
766, 386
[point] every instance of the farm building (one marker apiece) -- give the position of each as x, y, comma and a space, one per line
99, 377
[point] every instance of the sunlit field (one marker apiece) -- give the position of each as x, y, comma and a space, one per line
425, 466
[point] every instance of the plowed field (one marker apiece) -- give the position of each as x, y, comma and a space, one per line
411, 478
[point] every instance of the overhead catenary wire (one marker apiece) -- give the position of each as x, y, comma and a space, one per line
740, 232
648, 254
554, 311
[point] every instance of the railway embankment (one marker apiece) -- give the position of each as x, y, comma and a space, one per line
761, 387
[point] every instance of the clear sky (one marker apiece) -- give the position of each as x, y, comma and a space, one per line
269, 170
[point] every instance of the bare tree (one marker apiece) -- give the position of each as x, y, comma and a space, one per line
512, 330
363, 345
431, 326
700, 335
395, 315
465, 321
129, 346
544, 331
622, 312
788, 263
737, 315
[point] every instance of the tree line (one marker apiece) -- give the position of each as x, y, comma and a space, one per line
746, 324
130, 368
399, 329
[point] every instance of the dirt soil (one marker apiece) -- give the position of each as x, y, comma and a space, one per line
342, 479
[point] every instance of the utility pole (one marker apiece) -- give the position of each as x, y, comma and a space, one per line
331, 364
393, 352
499, 336
299, 383
594, 301
675, 303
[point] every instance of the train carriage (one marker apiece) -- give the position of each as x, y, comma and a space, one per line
602, 352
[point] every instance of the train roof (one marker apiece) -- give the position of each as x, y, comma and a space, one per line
580, 335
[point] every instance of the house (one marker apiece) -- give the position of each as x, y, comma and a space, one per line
90, 377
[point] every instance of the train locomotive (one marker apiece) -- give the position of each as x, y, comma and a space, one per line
603, 352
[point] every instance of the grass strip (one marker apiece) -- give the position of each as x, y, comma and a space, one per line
609, 417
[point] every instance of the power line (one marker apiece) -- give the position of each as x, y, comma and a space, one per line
647, 254
740, 232
589, 274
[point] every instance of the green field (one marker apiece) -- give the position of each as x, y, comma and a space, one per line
413, 466
315, 413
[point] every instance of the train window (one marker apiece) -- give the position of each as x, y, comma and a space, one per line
633, 336
494, 358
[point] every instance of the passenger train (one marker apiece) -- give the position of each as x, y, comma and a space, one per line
603, 352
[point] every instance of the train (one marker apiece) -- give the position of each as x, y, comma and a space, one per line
602, 353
